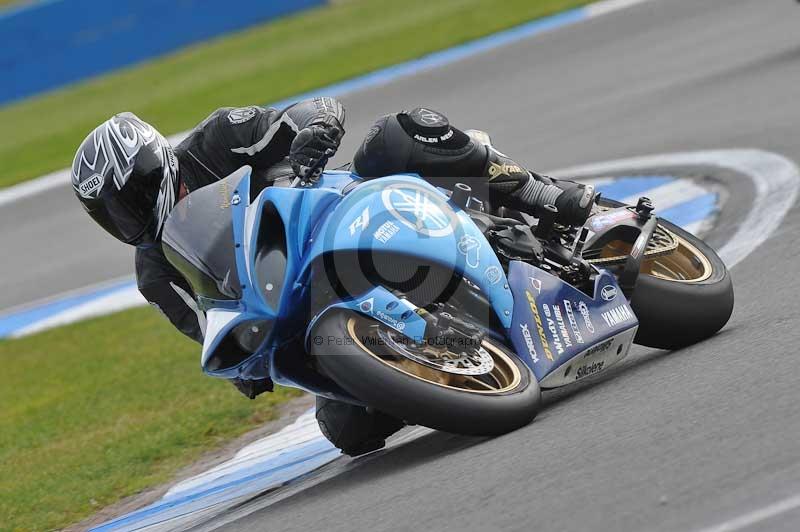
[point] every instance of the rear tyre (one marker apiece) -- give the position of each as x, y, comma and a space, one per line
674, 313
681, 297
369, 366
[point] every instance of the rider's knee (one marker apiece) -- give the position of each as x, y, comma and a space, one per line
421, 141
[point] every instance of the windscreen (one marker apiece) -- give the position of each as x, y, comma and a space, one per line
198, 240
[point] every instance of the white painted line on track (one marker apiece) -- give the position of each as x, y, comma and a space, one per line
671, 194
776, 180
379, 77
303, 430
609, 6
123, 299
756, 516
699, 228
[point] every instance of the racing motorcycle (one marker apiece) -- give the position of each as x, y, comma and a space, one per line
427, 304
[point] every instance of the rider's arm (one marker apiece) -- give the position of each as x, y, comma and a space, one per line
165, 288
265, 139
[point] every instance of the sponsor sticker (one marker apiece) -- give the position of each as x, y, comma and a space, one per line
470, 247
617, 315
573, 323
241, 115
602, 346
394, 322
433, 140
386, 231
91, 187
562, 327
493, 274
537, 319
536, 284
551, 326
589, 369
587, 318
496, 170
526, 335
367, 304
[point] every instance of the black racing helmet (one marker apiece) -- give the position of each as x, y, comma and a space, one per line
125, 175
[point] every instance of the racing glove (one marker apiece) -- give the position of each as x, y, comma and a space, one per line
312, 147
251, 388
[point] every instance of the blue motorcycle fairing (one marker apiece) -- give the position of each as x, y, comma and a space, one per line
554, 322
404, 214
299, 209
220, 322
223, 316
381, 305
407, 215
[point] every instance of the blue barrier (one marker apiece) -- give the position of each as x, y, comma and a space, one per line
51, 43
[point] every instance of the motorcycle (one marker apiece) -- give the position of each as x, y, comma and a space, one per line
426, 304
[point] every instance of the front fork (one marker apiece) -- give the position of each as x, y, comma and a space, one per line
396, 312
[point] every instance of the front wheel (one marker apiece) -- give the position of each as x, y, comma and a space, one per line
487, 391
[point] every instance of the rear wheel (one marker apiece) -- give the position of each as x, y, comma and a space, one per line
684, 292
479, 390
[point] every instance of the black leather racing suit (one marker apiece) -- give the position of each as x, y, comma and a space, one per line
222, 143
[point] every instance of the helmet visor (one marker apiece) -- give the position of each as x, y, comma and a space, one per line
125, 221
128, 213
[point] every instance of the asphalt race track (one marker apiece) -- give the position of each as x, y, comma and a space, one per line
687, 440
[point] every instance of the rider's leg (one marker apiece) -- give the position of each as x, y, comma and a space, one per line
352, 428
422, 141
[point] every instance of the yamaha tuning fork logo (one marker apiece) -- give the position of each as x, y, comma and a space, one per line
419, 209
608, 292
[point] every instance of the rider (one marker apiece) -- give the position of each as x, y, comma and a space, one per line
128, 178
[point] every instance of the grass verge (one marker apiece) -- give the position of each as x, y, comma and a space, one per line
100, 410
265, 63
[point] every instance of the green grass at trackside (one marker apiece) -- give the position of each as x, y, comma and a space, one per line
100, 410
266, 63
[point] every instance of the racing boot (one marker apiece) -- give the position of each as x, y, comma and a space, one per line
354, 429
530, 192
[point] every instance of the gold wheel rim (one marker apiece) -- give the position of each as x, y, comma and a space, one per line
681, 263
505, 373
684, 264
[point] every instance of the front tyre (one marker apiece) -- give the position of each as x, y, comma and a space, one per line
371, 362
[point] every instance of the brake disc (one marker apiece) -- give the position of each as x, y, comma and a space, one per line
471, 361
